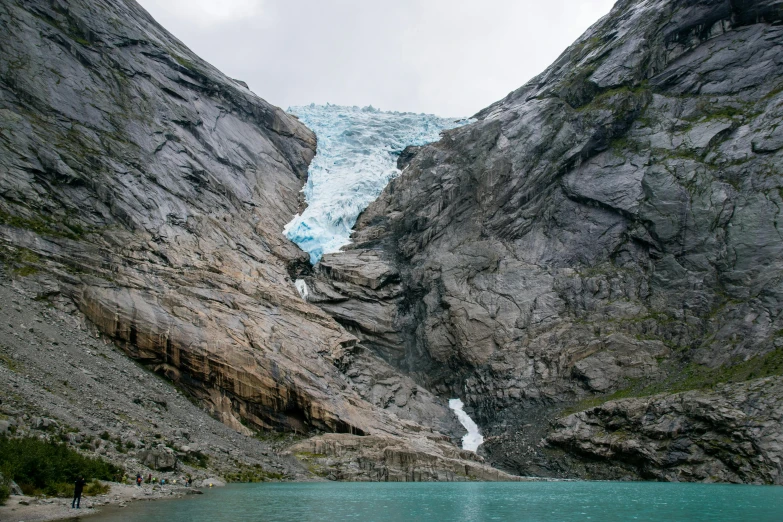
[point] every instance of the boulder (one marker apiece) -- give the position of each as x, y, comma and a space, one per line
15, 489
158, 459
213, 482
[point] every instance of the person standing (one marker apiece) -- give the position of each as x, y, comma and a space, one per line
138, 479
77, 492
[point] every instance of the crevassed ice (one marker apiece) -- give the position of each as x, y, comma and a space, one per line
356, 158
473, 438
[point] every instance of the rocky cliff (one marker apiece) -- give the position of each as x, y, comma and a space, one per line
149, 190
610, 230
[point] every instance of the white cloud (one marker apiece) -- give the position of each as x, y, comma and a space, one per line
448, 57
204, 13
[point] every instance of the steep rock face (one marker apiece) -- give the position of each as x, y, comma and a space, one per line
730, 434
151, 190
611, 225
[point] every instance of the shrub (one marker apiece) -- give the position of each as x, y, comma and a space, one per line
196, 459
95, 487
5, 490
50, 468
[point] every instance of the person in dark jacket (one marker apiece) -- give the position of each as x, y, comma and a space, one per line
77, 492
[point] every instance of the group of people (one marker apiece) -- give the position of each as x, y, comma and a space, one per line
187, 480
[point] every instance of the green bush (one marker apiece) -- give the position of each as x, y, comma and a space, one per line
196, 459
96, 488
5, 490
50, 468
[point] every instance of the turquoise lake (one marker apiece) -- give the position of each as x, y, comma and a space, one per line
534, 501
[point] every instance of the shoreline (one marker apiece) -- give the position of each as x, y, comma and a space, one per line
43, 509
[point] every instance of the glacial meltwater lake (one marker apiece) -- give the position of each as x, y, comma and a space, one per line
464, 502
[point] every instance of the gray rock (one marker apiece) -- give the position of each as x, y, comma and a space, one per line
15, 489
158, 459
213, 482
43, 423
723, 435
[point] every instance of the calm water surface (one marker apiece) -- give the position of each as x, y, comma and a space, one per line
534, 501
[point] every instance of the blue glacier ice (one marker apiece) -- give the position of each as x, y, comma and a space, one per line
356, 158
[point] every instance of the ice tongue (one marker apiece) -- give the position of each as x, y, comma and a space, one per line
356, 158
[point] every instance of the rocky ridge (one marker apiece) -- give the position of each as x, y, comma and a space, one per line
609, 228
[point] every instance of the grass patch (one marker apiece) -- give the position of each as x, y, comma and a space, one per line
43, 226
50, 468
254, 473
21, 262
693, 377
774, 92
187, 64
9, 363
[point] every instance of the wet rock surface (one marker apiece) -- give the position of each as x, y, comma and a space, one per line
610, 225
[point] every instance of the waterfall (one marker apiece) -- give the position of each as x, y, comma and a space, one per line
301, 287
472, 439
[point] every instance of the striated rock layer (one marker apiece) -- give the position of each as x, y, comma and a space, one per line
151, 190
611, 228
339, 456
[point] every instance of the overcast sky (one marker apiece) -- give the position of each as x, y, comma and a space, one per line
447, 57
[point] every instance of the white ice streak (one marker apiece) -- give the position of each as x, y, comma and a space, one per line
301, 287
356, 158
473, 439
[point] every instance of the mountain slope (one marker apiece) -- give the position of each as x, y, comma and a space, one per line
608, 230
149, 189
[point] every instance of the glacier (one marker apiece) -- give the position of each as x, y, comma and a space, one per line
473, 438
355, 159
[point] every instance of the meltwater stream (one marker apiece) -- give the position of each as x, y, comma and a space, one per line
473, 438
356, 158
